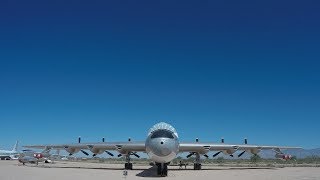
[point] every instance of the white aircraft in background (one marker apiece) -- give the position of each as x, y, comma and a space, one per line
7, 154
162, 145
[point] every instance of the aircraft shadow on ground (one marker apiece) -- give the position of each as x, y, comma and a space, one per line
78, 167
152, 171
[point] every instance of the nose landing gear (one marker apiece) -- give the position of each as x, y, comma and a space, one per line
162, 169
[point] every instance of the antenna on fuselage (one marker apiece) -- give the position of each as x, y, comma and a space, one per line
103, 139
79, 139
197, 139
245, 141
222, 140
129, 139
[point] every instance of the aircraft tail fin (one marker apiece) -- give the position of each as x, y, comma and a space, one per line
46, 150
15, 147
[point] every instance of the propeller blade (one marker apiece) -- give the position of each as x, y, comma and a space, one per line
206, 156
119, 155
109, 153
216, 154
241, 154
84, 152
136, 155
189, 155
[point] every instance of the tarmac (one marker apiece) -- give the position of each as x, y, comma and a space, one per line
62, 170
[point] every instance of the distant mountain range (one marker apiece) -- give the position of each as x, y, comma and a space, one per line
304, 152
269, 154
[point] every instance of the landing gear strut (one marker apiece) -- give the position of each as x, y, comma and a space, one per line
162, 169
128, 164
197, 165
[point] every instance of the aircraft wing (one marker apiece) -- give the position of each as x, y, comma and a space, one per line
203, 148
122, 147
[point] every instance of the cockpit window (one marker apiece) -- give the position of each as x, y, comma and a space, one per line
162, 134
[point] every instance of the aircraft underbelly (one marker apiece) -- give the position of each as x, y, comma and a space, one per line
161, 159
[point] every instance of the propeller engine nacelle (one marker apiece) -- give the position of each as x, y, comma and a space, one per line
229, 151
71, 150
283, 156
96, 151
255, 151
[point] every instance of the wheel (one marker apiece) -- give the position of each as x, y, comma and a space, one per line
197, 166
162, 171
165, 170
128, 166
159, 169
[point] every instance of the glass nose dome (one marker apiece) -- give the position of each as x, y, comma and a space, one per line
163, 125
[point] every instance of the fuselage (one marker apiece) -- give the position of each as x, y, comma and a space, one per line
9, 154
162, 143
30, 156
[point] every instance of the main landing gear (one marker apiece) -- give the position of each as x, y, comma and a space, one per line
162, 169
128, 164
197, 165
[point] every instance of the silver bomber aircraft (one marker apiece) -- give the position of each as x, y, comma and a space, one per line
162, 146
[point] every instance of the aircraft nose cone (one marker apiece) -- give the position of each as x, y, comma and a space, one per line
162, 147
164, 151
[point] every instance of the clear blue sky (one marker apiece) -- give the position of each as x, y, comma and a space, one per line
113, 69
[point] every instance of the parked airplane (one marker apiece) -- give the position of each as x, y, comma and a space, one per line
30, 156
7, 154
162, 145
